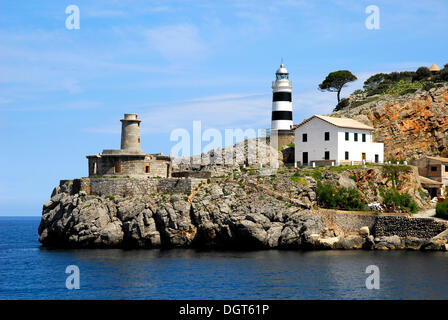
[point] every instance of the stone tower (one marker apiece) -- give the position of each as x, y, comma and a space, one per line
130, 132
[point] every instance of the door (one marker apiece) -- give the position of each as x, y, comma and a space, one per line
305, 158
118, 167
363, 156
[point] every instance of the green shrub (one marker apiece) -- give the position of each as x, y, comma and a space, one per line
329, 196
392, 199
112, 198
442, 209
291, 145
344, 103
422, 73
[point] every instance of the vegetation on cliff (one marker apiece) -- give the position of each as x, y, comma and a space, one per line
337, 80
442, 209
342, 198
411, 126
395, 84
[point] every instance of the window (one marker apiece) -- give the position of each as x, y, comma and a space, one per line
281, 76
446, 169
327, 136
363, 137
346, 136
327, 155
117, 167
304, 137
356, 137
346, 155
377, 158
95, 167
433, 168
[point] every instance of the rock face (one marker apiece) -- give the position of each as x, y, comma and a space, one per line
223, 215
410, 126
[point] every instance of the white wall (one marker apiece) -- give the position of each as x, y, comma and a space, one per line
356, 148
337, 145
316, 144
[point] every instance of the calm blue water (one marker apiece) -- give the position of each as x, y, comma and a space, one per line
28, 271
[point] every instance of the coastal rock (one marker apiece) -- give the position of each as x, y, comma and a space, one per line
364, 231
225, 214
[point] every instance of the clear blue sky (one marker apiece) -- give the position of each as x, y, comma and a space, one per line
62, 92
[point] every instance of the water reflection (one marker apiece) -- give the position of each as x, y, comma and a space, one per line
31, 272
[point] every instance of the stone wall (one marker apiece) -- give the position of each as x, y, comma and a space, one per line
106, 165
379, 226
160, 168
348, 222
192, 174
410, 227
134, 186
181, 185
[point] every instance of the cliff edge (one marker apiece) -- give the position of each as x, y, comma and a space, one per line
411, 125
244, 209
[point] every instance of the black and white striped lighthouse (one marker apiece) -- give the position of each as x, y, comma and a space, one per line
281, 102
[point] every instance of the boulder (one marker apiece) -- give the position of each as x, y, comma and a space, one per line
364, 231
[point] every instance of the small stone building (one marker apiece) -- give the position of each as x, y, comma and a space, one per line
129, 160
435, 169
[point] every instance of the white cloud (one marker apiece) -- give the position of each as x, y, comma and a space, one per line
4, 100
177, 42
71, 85
306, 104
72, 105
94, 13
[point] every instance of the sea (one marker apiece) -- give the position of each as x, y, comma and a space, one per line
30, 271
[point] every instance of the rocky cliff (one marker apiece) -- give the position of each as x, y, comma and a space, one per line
244, 209
411, 126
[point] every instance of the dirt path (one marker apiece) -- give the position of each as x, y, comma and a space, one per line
430, 213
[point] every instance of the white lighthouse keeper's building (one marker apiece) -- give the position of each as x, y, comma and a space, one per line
324, 140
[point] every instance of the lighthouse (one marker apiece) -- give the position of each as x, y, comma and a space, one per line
281, 121
281, 100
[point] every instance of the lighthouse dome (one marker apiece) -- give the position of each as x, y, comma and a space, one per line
282, 70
